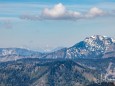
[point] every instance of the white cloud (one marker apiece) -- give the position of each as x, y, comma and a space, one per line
60, 12
94, 12
57, 11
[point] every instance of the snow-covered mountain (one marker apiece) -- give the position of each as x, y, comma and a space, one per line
91, 47
8, 54
96, 46
17, 51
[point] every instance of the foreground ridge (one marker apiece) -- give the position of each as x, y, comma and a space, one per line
61, 72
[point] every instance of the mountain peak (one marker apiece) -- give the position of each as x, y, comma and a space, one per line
91, 47
98, 39
98, 36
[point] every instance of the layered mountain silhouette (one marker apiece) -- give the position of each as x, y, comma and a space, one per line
96, 46
90, 62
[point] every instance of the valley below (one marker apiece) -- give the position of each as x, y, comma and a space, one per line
57, 72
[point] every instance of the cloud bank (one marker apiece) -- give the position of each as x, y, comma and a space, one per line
60, 12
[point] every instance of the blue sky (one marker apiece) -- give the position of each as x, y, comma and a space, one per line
62, 1
50, 23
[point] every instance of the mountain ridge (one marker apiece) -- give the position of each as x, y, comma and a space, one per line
96, 46
91, 47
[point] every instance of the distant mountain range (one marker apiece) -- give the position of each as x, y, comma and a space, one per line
90, 62
93, 47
